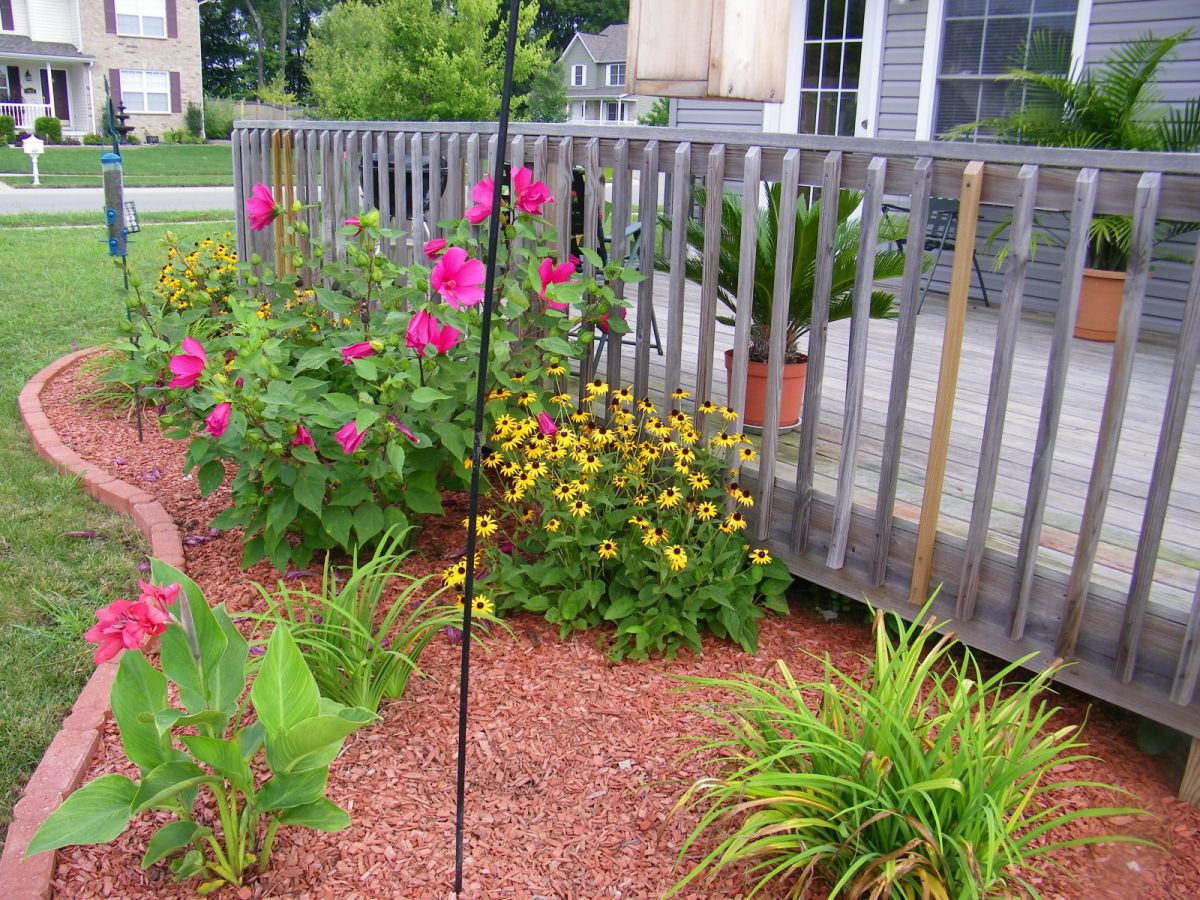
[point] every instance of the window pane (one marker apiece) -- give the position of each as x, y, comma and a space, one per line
808, 112
1004, 45
812, 65
827, 109
832, 74
157, 103
835, 18
154, 27
1009, 7
135, 102
1054, 5
846, 123
127, 24
958, 102
960, 48
850, 68
854, 22
158, 82
966, 7
816, 18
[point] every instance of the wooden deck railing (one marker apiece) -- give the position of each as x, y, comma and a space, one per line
1126, 648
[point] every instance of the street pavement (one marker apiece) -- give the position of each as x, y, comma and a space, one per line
148, 199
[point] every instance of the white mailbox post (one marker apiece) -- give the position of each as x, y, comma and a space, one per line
34, 147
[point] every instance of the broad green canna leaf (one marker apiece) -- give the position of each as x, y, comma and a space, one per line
96, 813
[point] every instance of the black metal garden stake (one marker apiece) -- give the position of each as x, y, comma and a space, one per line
464, 674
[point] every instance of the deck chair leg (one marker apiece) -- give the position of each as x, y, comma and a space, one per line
654, 328
979, 275
600, 344
929, 277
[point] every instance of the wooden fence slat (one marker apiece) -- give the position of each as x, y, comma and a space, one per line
475, 169
312, 197
1019, 255
648, 216
403, 220
856, 371
714, 197
367, 145
1184, 686
454, 178
831, 180
619, 246
325, 150
943, 410
385, 194
1170, 438
747, 250
681, 197
434, 151
593, 206
354, 204
1074, 260
416, 190
562, 212
1138, 274
541, 159
241, 189
264, 174
777, 344
902, 361
335, 211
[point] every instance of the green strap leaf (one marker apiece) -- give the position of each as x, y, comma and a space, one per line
96, 813
323, 815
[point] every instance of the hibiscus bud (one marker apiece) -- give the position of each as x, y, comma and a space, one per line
135, 280
296, 206
377, 346
376, 276
298, 260
255, 259
220, 378
302, 228
126, 327
276, 447
131, 303
240, 382
274, 372
171, 237
370, 219
252, 280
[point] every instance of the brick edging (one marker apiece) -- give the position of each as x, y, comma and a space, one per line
70, 753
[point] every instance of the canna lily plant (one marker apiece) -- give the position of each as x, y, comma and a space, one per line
217, 740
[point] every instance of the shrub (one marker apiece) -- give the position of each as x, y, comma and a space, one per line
8, 130
358, 656
922, 778
71, 142
92, 139
347, 411
610, 514
210, 744
132, 139
218, 119
193, 115
48, 128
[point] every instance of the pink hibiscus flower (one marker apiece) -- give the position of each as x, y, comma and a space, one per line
356, 223
357, 351
218, 419
350, 437
530, 195
125, 626
433, 249
458, 279
552, 274
620, 311
546, 424
261, 207
424, 330
403, 429
303, 437
188, 365
482, 195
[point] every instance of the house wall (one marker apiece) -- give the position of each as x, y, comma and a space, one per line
53, 20
20, 17
575, 55
113, 51
722, 115
900, 71
1116, 22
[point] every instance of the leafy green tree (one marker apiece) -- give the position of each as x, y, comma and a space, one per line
548, 95
558, 20
419, 60
659, 114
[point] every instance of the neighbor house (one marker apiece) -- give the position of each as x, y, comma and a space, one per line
595, 70
56, 54
915, 69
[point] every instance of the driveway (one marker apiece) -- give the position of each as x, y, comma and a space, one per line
148, 199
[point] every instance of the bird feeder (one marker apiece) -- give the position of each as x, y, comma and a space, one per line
723, 49
34, 147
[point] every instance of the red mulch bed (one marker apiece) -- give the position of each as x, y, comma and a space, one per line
573, 762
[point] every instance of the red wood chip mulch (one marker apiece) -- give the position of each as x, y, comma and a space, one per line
574, 763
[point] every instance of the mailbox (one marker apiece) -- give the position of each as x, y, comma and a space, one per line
34, 147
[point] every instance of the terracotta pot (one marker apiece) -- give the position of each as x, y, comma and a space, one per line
1099, 305
790, 400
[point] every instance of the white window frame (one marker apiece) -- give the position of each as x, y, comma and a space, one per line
579, 75
605, 106
141, 12
127, 78
610, 69
935, 25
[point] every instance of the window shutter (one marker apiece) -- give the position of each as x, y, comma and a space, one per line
114, 86
110, 16
176, 94
172, 18
6, 16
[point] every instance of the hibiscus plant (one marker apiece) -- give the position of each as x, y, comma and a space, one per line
341, 385
218, 742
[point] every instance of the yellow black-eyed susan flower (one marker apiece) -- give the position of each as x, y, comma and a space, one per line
563, 400
747, 454
669, 498
514, 494
607, 549
641, 500
646, 405
525, 399
499, 394
735, 521
706, 407
556, 369
579, 488
504, 424
728, 414
759, 556
620, 480
482, 605
595, 388
485, 525
528, 514
580, 508
623, 395
725, 440
676, 557
562, 492
639, 521
509, 469
652, 537
490, 458
581, 416
706, 510
455, 574
590, 464
535, 469
552, 525
680, 394
699, 481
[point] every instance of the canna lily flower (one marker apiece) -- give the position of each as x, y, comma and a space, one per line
357, 351
188, 365
350, 437
218, 419
424, 329
125, 626
261, 207
158, 596
546, 424
433, 249
530, 195
552, 274
482, 195
303, 437
458, 279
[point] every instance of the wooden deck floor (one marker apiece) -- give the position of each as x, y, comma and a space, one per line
1179, 556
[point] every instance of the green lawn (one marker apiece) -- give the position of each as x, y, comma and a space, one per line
58, 291
163, 164
50, 220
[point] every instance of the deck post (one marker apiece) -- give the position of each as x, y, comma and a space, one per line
1189, 787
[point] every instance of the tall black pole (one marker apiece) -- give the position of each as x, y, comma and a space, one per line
464, 674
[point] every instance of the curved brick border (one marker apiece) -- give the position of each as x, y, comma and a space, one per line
70, 753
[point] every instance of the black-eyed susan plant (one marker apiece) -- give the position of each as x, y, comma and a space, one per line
616, 512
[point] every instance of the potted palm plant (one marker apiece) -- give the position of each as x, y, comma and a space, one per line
1112, 106
889, 263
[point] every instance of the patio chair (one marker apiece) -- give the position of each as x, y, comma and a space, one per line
941, 231
633, 257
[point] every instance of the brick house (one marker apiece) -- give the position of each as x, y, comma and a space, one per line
56, 54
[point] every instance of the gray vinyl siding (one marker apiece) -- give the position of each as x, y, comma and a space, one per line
1116, 22
900, 72
717, 115
577, 55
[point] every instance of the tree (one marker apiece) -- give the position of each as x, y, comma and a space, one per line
249, 45
548, 95
659, 114
558, 20
225, 47
420, 61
